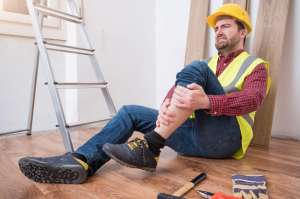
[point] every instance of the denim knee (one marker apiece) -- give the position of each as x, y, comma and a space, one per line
130, 111
128, 108
196, 72
125, 110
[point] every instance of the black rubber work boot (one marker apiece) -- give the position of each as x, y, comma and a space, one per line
62, 169
135, 153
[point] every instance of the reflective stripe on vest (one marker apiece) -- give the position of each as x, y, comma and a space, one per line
232, 79
231, 87
248, 119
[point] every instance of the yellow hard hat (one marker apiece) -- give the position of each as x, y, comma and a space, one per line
233, 10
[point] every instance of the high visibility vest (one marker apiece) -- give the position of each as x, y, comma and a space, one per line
232, 79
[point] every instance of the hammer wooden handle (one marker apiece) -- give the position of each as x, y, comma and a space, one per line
183, 189
190, 184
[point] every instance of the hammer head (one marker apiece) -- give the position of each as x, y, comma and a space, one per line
167, 196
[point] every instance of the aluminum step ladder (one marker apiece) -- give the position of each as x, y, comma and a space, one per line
38, 12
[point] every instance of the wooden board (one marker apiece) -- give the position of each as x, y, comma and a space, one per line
242, 3
268, 44
197, 30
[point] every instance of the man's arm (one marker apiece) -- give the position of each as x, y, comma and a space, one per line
235, 103
244, 101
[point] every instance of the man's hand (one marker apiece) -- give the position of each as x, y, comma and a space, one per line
193, 97
164, 116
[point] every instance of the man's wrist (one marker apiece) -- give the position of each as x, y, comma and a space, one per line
215, 105
208, 103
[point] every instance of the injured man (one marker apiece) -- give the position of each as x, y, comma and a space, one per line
209, 112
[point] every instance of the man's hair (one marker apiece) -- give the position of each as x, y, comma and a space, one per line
241, 26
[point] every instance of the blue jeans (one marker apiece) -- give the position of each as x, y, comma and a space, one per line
205, 136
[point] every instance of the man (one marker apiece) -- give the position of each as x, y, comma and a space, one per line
209, 113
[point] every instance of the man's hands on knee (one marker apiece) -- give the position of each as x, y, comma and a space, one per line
192, 97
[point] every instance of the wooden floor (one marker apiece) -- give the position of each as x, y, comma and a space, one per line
280, 164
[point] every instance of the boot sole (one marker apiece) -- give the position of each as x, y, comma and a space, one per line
125, 163
40, 172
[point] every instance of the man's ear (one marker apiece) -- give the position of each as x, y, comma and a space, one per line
244, 33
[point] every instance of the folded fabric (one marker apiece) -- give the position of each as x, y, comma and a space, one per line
249, 186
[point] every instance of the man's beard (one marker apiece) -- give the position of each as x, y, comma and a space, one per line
226, 45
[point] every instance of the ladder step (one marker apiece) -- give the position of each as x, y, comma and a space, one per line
15, 131
70, 85
69, 49
58, 14
87, 123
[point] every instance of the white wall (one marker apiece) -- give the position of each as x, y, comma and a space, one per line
171, 37
171, 30
16, 69
286, 121
123, 34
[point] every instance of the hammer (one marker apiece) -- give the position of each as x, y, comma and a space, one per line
184, 189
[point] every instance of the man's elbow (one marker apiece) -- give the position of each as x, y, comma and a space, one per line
258, 99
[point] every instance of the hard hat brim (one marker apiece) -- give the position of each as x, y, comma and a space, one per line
212, 19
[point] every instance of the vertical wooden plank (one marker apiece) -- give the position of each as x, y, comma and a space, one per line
197, 31
242, 3
268, 44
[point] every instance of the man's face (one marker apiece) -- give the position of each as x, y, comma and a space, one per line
227, 34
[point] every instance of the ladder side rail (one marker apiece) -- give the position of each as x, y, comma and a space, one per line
33, 91
34, 81
53, 92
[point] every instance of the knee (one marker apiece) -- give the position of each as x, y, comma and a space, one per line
125, 109
128, 109
194, 72
124, 113
197, 67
